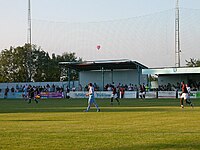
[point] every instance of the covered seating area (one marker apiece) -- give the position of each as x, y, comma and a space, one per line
103, 67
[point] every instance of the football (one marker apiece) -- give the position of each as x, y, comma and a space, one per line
37, 96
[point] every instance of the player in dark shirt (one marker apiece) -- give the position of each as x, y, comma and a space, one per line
142, 91
31, 94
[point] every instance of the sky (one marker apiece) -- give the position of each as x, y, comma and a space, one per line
14, 24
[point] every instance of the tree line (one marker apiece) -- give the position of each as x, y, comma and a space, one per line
193, 62
30, 63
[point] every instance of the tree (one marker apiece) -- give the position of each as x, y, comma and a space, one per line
30, 63
13, 64
65, 57
193, 62
40, 64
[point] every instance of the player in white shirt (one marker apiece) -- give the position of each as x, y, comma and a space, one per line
188, 101
91, 99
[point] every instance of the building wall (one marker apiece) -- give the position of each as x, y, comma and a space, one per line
173, 79
118, 76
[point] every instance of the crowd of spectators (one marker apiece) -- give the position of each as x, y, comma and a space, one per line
134, 87
195, 86
47, 88
130, 87
169, 87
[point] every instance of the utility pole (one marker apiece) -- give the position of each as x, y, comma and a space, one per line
177, 36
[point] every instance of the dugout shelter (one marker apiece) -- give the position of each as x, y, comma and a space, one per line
103, 72
190, 75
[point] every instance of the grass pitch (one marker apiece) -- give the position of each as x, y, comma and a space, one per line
61, 124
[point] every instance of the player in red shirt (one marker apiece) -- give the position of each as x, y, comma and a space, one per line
114, 95
184, 95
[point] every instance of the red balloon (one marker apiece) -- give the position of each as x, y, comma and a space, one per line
98, 47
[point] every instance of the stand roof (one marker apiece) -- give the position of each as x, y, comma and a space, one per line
103, 64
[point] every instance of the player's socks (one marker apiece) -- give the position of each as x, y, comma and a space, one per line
191, 105
88, 108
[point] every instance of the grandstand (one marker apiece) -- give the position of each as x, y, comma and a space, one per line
108, 71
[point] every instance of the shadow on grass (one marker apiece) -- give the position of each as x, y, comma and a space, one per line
79, 105
172, 146
81, 109
33, 120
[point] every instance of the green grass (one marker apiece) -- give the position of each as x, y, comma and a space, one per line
135, 124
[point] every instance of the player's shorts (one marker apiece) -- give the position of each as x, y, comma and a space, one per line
141, 93
188, 97
114, 96
91, 99
184, 95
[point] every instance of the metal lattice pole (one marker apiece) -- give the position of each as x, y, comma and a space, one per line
29, 23
177, 36
29, 42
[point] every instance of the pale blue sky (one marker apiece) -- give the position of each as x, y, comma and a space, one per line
87, 10
13, 13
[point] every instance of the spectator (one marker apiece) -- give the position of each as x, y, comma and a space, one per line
73, 88
6, 92
67, 92
80, 87
53, 88
13, 90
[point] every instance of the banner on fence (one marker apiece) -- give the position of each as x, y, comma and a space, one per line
102, 94
166, 94
45, 95
150, 95
130, 94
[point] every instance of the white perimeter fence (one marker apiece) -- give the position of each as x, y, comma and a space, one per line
105, 94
